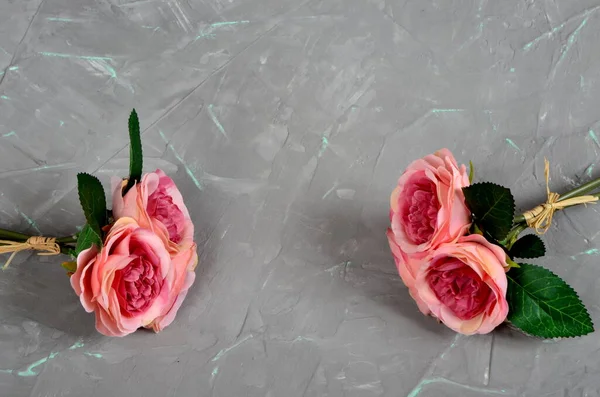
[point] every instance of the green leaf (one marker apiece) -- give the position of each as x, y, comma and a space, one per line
471, 171
528, 246
492, 207
93, 201
135, 152
541, 304
86, 239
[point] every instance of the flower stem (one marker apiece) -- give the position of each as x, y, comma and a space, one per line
20, 237
581, 190
66, 240
519, 219
512, 236
13, 236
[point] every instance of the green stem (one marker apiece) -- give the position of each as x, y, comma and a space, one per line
13, 236
512, 236
20, 237
66, 240
519, 218
581, 190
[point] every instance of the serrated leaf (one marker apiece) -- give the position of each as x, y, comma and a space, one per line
542, 304
492, 207
86, 239
528, 246
93, 201
135, 152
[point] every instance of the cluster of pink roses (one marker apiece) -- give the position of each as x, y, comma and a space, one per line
136, 264
143, 272
457, 277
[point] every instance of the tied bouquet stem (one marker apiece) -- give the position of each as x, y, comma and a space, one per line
455, 245
132, 265
540, 217
14, 242
579, 195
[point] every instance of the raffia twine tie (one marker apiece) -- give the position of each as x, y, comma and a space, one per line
46, 246
540, 218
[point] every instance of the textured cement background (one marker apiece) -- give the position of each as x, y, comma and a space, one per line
286, 124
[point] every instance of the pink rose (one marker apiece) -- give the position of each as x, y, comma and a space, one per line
428, 206
427, 209
133, 281
408, 265
156, 203
464, 285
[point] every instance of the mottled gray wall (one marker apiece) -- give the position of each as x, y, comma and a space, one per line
286, 124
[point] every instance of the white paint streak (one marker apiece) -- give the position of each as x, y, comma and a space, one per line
221, 353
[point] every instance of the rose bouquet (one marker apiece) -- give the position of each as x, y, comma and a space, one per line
134, 264
455, 245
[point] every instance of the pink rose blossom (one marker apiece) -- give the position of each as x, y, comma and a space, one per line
428, 206
156, 203
408, 265
464, 285
427, 209
133, 281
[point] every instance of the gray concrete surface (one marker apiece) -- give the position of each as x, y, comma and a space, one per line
286, 124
